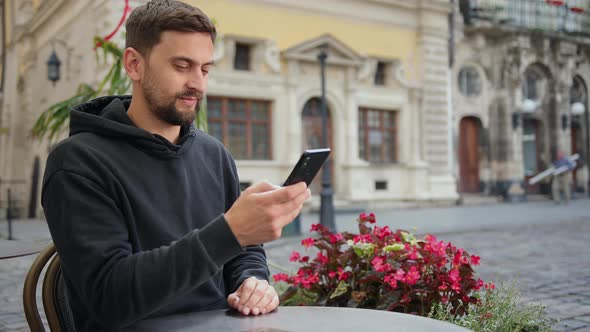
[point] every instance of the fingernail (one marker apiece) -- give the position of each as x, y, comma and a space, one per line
247, 311
263, 311
255, 311
240, 307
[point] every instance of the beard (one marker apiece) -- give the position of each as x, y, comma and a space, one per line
164, 107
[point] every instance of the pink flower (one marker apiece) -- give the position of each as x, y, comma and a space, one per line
490, 286
382, 233
294, 256
412, 276
399, 275
309, 242
316, 228
478, 285
390, 280
379, 266
444, 299
280, 277
323, 260
336, 238
342, 275
332, 274
430, 238
454, 276
371, 218
475, 260
364, 238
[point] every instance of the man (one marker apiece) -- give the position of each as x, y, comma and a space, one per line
563, 165
145, 211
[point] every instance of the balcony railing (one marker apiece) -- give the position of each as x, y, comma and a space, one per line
556, 16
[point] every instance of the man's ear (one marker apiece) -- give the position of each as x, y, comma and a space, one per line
133, 62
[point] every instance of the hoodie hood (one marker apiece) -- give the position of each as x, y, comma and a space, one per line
107, 116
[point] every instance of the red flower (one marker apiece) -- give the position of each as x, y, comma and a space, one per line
332, 274
378, 265
317, 228
475, 260
364, 238
454, 276
309, 242
490, 286
305, 259
478, 285
390, 280
399, 275
323, 260
294, 256
444, 299
342, 275
280, 277
412, 276
371, 218
336, 237
382, 233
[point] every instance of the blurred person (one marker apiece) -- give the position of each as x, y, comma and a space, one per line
144, 209
561, 177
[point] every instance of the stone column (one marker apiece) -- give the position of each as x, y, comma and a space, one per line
513, 119
433, 43
564, 70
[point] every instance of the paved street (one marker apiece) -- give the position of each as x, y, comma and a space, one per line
541, 246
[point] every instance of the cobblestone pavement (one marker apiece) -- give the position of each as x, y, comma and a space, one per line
550, 261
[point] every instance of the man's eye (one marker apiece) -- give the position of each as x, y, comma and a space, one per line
182, 67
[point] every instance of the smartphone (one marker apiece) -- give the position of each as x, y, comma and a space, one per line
308, 166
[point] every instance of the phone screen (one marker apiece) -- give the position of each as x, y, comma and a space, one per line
308, 166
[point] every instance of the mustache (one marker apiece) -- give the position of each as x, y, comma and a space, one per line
191, 93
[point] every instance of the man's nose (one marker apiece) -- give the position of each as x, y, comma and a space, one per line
197, 82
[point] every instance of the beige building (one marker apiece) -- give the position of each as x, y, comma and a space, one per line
387, 89
520, 93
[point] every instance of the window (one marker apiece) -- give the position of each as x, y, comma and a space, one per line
243, 125
378, 135
532, 85
380, 73
242, 56
469, 82
578, 91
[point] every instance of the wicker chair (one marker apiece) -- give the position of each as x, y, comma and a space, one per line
54, 294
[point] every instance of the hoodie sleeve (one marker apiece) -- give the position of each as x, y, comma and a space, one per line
251, 262
118, 286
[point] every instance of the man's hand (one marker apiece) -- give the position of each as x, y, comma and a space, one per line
254, 297
261, 212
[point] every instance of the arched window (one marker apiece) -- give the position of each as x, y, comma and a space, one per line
578, 92
533, 84
469, 81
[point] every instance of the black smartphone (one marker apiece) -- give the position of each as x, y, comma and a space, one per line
308, 166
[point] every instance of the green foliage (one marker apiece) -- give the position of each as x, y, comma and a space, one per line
498, 311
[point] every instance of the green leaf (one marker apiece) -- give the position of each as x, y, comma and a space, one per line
341, 289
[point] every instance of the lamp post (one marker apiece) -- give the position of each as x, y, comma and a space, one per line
53, 64
326, 202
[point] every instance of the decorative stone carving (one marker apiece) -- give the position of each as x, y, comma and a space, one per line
271, 56
367, 68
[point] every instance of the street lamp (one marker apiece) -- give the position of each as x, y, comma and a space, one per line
528, 106
53, 64
326, 202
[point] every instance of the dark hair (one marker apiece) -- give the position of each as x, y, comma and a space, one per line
147, 22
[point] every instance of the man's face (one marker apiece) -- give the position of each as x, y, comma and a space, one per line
176, 74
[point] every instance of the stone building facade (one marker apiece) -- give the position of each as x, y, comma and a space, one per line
520, 93
388, 89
